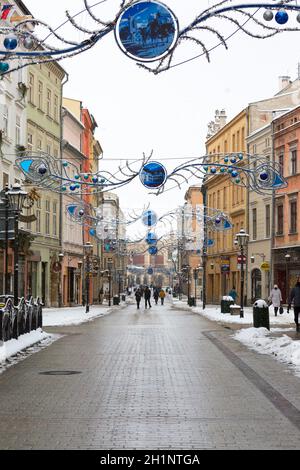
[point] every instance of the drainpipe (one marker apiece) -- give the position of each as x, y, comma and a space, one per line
248, 130
271, 277
60, 300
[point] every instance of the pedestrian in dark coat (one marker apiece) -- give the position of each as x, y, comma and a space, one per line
295, 299
156, 295
147, 296
138, 296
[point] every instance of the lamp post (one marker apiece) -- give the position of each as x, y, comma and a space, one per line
287, 262
242, 239
16, 197
196, 273
88, 247
109, 276
186, 269
60, 292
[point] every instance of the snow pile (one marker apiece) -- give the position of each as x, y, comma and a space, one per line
285, 349
227, 297
213, 312
14, 346
260, 303
73, 315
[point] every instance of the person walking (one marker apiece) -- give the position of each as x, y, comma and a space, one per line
138, 296
294, 298
156, 295
147, 296
233, 293
275, 298
162, 296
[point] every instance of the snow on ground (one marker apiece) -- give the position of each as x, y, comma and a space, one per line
13, 351
274, 342
283, 348
213, 312
40, 339
73, 315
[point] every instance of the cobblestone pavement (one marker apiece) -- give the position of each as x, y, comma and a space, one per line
155, 379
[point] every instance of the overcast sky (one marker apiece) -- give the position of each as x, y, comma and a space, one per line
138, 112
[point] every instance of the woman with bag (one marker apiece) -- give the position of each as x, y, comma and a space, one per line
275, 298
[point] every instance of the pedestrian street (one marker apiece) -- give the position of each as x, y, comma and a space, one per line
161, 378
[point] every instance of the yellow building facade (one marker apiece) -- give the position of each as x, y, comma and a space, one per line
222, 271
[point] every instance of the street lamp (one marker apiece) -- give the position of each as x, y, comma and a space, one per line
109, 276
186, 269
60, 303
287, 262
196, 272
88, 247
16, 197
242, 240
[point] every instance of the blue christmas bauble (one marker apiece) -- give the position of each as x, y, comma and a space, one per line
264, 176
281, 17
42, 169
4, 67
10, 42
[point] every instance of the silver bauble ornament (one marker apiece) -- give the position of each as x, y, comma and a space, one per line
268, 15
28, 42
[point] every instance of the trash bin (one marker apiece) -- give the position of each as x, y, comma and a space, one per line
116, 300
261, 314
191, 302
123, 298
225, 304
174, 294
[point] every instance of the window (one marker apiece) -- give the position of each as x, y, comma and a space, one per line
5, 120
49, 98
293, 161
55, 108
38, 216
254, 224
18, 130
30, 141
5, 178
233, 143
40, 96
39, 144
225, 197
243, 138
54, 218
47, 217
48, 148
268, 221
280, 219
281, 164
293, 216
31, 88
238, 144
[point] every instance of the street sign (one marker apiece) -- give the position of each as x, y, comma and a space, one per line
265, 266
239, 259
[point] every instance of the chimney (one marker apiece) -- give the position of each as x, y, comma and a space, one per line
217, 124
284, 81
222, 118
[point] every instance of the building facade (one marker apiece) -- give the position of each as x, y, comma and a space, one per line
44, 133
286, 239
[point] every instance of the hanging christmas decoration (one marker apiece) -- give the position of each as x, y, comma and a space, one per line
146, 31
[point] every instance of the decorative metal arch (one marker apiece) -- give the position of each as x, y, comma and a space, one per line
21, 41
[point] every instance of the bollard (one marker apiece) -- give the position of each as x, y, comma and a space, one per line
261, 314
